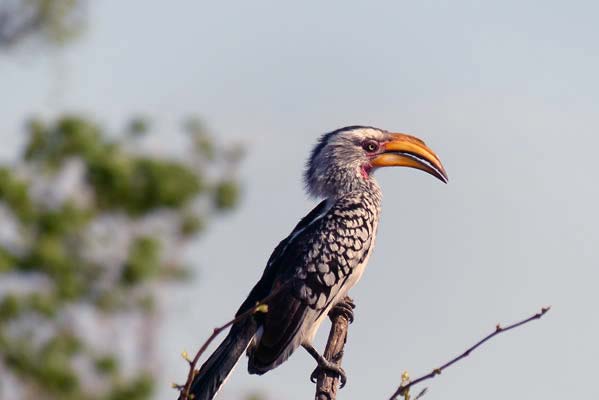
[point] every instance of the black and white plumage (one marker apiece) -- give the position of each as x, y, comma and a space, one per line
323, 257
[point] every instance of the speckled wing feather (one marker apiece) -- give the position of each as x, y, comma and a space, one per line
316, 264
263, 287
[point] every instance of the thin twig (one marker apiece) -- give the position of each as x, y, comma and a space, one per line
261, 306
498, 329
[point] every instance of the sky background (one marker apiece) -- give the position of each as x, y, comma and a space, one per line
506, 93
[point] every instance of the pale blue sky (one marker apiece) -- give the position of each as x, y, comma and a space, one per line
507, 93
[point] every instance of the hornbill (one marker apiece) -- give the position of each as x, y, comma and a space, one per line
313, 268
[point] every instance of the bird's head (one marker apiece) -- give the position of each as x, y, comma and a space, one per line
344, 160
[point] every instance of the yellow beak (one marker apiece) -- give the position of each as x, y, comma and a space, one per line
408, 151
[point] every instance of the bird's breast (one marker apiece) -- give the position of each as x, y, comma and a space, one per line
335, 259
343, 288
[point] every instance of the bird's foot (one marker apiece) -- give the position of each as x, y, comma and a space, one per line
326, 365
330, 367
345, 308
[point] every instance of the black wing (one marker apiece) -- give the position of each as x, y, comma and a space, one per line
265, 285
313, 263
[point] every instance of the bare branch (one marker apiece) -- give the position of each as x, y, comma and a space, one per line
341, 316
403, 388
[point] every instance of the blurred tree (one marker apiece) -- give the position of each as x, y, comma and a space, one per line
89, 228
53, 22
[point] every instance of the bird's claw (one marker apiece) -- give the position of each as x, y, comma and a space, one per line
330, 367
314, 375
345, 307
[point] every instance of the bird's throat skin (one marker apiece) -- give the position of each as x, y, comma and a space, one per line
365, 170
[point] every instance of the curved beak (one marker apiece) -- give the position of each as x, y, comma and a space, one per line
408, 151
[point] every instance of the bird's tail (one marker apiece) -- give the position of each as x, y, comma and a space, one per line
215, 371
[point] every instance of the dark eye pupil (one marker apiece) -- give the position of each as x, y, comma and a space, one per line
370, 146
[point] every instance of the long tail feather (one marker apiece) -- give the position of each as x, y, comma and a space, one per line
215, 371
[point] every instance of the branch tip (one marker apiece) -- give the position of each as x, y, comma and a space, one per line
545, 309
404, 388
422, 393
405, 377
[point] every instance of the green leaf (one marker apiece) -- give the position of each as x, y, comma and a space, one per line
143, 261
226, 195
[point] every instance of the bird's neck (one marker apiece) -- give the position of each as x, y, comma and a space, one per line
366, 189
336, 183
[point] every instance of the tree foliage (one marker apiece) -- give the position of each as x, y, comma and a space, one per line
52, 22
90, 225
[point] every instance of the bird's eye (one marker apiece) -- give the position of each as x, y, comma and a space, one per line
370, 146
